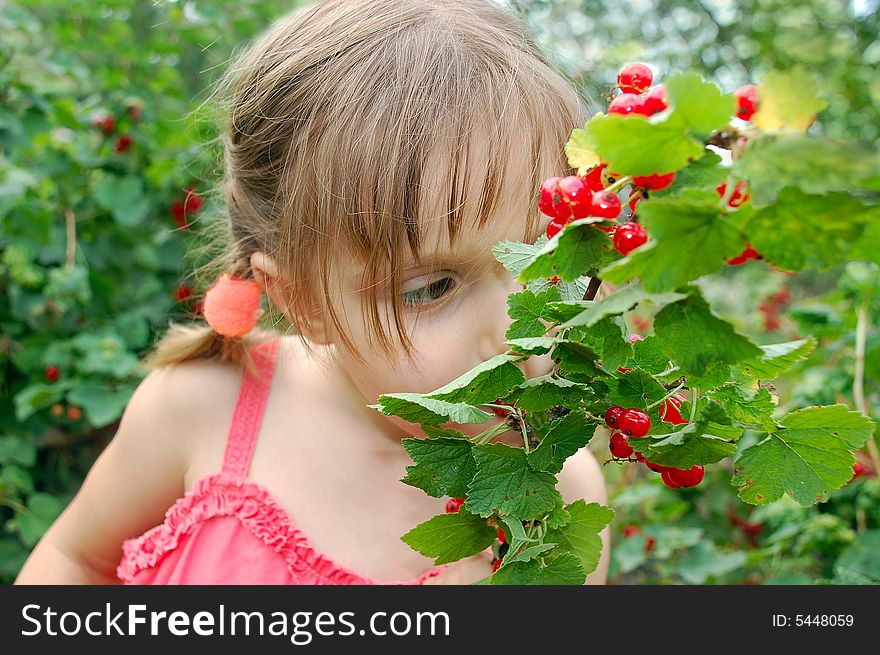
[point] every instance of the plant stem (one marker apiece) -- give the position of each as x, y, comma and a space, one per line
622, 182
693, 405
862, 325
666, 397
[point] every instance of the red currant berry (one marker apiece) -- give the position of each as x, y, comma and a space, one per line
495, 565
182, 292
634, 422
74, 413
634, 78
667, 479
738, 197
612, 416
501, 536
627, 104
655, 100
578, 195
555, 226
689, 478
554, 279
639, 457
454, 505
628, 237
744, 256
51, 373
605, 205
746, 101
57, 409
654, 182
193, 202
671, 413
619, 446
106, 124
649, 544
593, 179
634, 197
549, 196
123, 143
859, 470
654, 467
631, 530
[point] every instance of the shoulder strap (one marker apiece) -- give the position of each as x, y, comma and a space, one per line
248, 414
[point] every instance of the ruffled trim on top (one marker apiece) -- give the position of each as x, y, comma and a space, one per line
223, 494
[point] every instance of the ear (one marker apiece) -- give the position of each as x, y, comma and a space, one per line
314, 325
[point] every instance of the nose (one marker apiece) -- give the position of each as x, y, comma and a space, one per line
495, 322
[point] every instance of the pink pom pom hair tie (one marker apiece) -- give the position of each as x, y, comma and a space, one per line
232, 305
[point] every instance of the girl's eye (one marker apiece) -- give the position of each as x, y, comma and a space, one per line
428, 294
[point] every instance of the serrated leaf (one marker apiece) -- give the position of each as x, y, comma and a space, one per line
443, 467
692, 445
778, 357
514, 256
533, 345
563, 439
688, 238
417, 408
568, 291
526, 309
749, 408
706, 172
697, 105
678, 324
811, 164
124, 198
101, 406
704, 562
528, 553
564, 569
484, 383
576, 359
579, 152
807, 457
620, 301
451, 537
608, 339
580, 535
505, 482
558, 516
635, 389
648, 355
787, 101
786, 232
571, 253
541, 393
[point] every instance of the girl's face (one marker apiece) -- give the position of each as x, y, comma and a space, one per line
455, 308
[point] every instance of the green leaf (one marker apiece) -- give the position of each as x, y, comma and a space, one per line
526, 309
704, 562
787, 101
124, 198
451, 537
810, 164
648, 355
619, 302
529, 553
484, 383
778, 357
42, 510
17, 450
581, 535
506, 483
416, 408
633, 145
750, 408
807, 457
688, 238
35, 397
860, 562
576, 359
101, 406
697, 105
692, 445
515, 256
541, 393
564, 569
443, 467
786, 233
572, 253
635, 389
694, 338
533, 345
704, 173
607, 338
564, 438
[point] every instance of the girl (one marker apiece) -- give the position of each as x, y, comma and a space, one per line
375, 152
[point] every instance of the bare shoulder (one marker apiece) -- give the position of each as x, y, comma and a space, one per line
582, 477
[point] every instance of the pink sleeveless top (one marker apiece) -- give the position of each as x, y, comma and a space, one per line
228, 529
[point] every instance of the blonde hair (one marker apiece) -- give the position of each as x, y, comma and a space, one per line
331, 119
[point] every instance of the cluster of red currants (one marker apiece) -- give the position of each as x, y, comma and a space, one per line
634, 423
565, 199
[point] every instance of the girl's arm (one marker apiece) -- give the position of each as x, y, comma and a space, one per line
133, 482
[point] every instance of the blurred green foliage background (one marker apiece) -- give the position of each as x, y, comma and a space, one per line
107, 164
